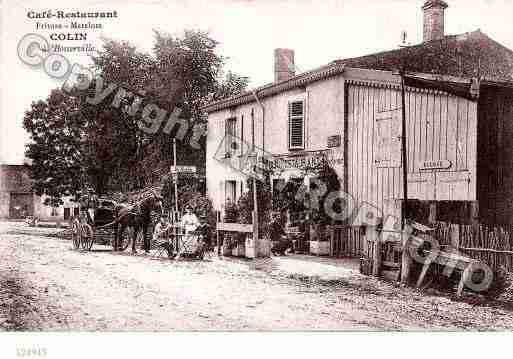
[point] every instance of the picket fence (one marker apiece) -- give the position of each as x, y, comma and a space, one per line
490, 244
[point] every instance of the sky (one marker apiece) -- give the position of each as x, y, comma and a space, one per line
249, 31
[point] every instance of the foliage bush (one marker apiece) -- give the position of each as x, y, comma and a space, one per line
231, 212
245, 206
188, 189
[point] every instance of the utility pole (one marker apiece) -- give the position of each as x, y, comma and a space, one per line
175, 177
406, 260
404, 152
255, 213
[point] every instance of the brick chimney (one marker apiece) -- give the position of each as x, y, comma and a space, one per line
434, 19
284, 67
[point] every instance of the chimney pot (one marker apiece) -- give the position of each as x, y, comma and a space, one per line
284, 67
434, 19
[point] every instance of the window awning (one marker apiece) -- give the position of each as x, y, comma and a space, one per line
466, 90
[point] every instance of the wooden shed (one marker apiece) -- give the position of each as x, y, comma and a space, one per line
459, 150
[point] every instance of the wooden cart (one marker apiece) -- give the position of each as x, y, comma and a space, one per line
94, 213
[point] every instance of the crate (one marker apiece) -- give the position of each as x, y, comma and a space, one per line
319, 248
239, 250
263, 250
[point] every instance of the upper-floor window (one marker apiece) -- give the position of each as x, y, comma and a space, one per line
296, 130
230, 133
253, 128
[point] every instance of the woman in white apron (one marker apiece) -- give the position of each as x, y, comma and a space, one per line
190, 223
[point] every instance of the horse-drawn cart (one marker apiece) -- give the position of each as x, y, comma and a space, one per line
95, 213
101, 220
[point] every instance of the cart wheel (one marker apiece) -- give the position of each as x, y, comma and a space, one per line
126, 238
87, 237
75, 233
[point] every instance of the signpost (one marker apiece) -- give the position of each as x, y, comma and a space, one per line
176, 177
183, 169
175, 171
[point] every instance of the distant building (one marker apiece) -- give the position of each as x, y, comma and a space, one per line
18, 201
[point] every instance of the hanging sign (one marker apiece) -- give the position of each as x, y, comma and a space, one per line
334, 141
436, 165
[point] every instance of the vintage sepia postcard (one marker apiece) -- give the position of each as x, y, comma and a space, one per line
244, 165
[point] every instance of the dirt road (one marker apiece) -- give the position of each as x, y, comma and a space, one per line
45, 285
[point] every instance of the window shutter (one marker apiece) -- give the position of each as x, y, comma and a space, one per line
229, 133
296, 125
387, 137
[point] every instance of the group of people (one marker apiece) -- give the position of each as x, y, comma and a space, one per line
190, 224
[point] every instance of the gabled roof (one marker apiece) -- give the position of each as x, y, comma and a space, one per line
469, 55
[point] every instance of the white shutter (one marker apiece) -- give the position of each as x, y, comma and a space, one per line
296, 125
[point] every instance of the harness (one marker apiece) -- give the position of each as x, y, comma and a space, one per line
135, 210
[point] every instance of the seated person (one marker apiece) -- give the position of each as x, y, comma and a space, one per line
161, 233
280, 242
162, 228
204, 231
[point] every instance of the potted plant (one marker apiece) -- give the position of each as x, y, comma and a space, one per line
229, 239
320, 220
320, 247
239, 245
319, 241
245, 206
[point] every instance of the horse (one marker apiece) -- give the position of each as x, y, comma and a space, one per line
137, 217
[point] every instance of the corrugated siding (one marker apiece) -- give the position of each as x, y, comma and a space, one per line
439, 127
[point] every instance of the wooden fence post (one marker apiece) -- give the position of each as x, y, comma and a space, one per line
376, 243
332, 240
432, 212
455, 236
218, 239
474, 213
406, 260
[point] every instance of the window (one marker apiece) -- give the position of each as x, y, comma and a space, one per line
242, 134
296, 125
387, 139
253, 128
229, 133
67, 212
230, 189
